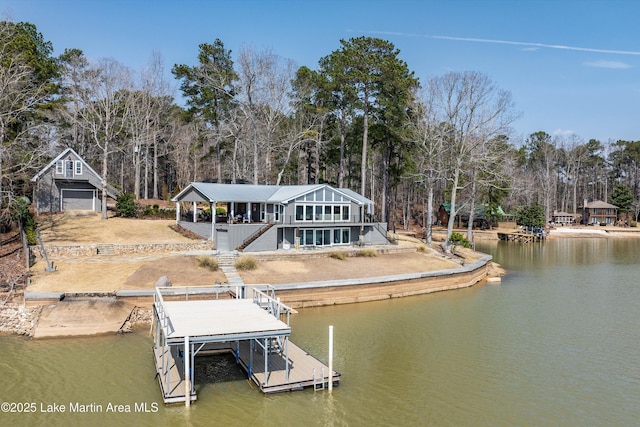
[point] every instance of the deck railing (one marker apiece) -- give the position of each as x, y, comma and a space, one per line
271, 304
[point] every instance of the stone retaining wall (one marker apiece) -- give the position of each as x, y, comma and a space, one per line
80, 251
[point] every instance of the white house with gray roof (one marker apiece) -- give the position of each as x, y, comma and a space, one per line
271, 217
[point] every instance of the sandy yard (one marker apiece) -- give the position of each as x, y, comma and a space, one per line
316, 269
88, 228
118, 273
110, 273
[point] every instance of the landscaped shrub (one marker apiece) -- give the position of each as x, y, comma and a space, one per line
459, 240
341, 255
633, 224
246, 263
156, 211
126, 205
422, 249
367, 253
209, 263
22, 214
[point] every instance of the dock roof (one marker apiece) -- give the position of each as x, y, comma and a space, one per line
221, 320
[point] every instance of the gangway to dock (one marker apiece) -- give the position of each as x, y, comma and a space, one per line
255, 329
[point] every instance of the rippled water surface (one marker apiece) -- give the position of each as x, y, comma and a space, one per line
556, 343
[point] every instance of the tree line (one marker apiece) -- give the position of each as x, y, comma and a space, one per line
361, 119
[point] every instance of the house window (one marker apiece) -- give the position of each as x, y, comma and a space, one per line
59, 167
68, 169
341, 236
325, 236
78, 169
345, 213
308, 237
322, 212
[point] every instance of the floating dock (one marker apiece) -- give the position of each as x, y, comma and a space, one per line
256, 330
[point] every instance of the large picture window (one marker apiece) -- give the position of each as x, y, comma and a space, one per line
325, 236
322, 212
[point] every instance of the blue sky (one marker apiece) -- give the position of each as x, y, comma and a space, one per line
571, 66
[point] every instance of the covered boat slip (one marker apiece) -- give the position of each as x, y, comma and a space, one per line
251, 329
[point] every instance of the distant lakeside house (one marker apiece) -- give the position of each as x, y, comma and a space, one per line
68, 183
565, 218
270, 217
599, 212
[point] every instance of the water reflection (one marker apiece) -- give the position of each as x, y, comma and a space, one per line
556, 343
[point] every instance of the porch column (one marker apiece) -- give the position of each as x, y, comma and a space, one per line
249, 212
177, 212
213, 222
195, 214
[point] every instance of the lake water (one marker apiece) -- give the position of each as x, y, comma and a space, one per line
556, 343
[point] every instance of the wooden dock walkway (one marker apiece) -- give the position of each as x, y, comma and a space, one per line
304, 370
172, 385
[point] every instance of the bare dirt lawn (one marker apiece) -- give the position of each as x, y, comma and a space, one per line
316, 269
77, 228
109, 273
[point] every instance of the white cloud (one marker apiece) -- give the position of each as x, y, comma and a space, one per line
608, 64
563, 132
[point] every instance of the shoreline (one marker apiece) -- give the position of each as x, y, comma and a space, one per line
19, 319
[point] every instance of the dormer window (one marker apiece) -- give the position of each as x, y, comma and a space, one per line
59, 167
78, 168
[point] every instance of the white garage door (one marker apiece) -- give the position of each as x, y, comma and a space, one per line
77, 200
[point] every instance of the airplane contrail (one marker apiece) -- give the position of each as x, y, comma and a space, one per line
510, 42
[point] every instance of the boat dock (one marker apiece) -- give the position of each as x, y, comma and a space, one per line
517, 236
256, 330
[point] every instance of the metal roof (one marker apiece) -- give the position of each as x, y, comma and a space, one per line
58, 157
261, 193
221, 320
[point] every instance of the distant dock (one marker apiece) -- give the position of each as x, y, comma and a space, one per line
520, 237
252, 329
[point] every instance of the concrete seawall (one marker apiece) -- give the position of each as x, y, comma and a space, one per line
314, 294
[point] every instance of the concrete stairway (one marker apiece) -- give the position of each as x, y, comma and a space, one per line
226, 262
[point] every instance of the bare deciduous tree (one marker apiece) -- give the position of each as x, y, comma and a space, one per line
473, 111
105, 104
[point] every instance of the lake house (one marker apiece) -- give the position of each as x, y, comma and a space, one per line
257, 218
599, 212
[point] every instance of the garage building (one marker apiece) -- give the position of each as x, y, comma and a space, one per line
67, 183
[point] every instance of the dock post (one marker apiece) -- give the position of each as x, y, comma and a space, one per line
187, 375
330, 357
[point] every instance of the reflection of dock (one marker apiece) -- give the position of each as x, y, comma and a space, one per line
251, 329
516, 236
